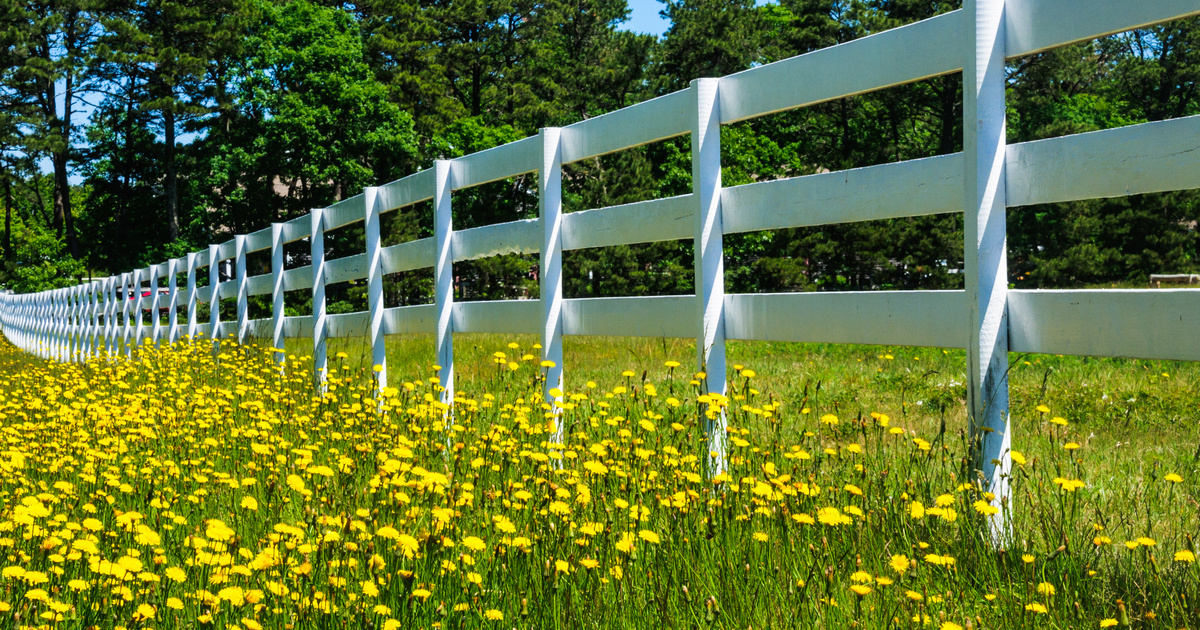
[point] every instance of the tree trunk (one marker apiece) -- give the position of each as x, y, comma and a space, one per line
476, 90
172, 179
8, 203
50, 104
62, 186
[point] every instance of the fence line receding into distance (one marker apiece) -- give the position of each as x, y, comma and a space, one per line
987, 319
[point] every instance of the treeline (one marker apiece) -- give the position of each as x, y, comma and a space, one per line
215, 117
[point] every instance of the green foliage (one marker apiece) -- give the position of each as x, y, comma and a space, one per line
310, 118
40, 261
295, 104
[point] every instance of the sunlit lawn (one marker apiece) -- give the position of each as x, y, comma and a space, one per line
208, 491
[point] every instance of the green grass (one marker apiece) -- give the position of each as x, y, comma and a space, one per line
1135, 423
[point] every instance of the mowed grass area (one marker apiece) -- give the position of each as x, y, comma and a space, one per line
208, 490
1149, 407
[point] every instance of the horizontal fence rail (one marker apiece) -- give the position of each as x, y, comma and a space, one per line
115, 315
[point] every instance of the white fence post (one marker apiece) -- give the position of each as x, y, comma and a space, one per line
709, 255
93, 325
985, 253
84, 310
77, 322
243, 288
443, 277
69, 317
156, 329
53, 323
27, 331
140, 331
191, 296
52, 350
23, 322
550, 276
64, 321
317, 247
94, 303
375, 287
64, 324
214, 296
113, 308
73, 328
277, 290
172, 296
94, 311
126, 293
107, 301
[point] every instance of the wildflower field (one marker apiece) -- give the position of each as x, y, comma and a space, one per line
211, 489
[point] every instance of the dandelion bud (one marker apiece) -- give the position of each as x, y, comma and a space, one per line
1122, 614
524, 607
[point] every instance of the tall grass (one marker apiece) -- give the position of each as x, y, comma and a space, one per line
213, 489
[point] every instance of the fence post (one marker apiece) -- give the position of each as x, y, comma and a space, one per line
94, 303
27, 319
172, 296
277, 290
84, 314
126, 289
317, 245
243, 288
550, 276
443, 278
63, 317
78, 308
137, 309
106, 332
53, 323
73, 328
30, 324
24, 323
214, 296
192, 259
93, 318
156, 328
375, 287
709, 259
985, 255
69, 312
113, 308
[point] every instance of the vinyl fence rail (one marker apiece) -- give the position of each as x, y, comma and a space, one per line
987, 319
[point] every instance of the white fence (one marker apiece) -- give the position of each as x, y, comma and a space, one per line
987, 319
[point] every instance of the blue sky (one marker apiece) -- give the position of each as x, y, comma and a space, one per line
644, 17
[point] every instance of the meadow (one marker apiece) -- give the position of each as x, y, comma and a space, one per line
212, 489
